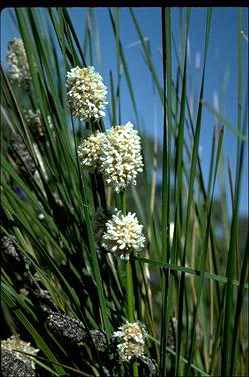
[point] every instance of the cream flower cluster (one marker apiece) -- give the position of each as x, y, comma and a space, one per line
18, 63
89, 150
121, 158
86, 93
15, 343
123, 235
131, 340
116, 153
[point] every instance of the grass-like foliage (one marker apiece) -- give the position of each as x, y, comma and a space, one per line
170, 298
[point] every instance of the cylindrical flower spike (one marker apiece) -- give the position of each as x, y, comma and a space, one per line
148, 367
11, 366
68, 329
123, 235
18, 70
96, 338
86, 93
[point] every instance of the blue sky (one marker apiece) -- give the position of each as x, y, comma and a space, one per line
221, 73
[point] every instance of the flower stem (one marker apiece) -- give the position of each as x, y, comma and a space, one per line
129, 287
123, 202
131, 308
129, 282
130, 295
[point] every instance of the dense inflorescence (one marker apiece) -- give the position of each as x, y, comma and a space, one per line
123, 235
15, 344
148, 367
67, 328
90, 149
97, 338
12, 366
116, 153
121, 158
86, 93
131, 341
18, 63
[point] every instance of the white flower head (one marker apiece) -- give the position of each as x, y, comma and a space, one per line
116, 153
90, 149
131, 340
121, 158
123, 235
18, 63
86, 93
15, 343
